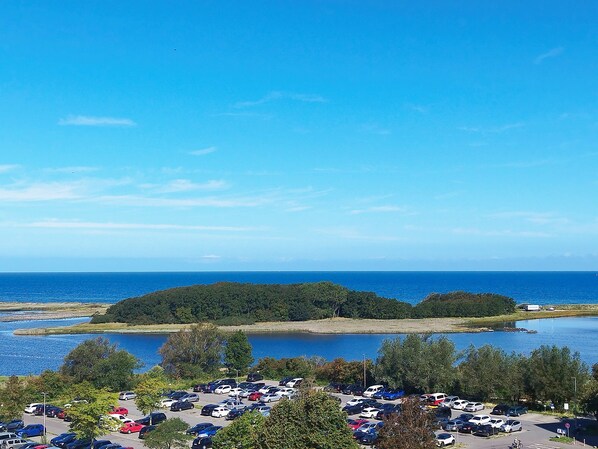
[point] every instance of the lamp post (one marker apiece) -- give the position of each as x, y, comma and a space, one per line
575, 401
364, 373
45, 394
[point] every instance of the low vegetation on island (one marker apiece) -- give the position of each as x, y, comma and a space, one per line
227, 303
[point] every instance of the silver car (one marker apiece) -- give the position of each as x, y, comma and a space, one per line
511, 426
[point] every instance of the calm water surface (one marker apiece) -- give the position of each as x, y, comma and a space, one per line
31, 355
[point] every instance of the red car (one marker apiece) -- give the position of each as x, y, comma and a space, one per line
119, 411
354, 424
131, 427
255, 396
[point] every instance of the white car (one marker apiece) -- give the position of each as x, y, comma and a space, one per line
167, 402
459, 404
126, 395
294, 382
445, 439
354, 401
221, 411
234, 392
118, 416
287, 392
369, 412
478, 420
511, 425
497, 423
31, 407
448, 401
271, 397
267, 388
474, 407
223, 389
371, 391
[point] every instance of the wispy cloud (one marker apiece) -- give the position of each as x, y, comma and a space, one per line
494, 129
540, 218
85, 120
417, 108
50, 191
211, 201
5, 168
379, 209
62, 224
74, 169
553, 52
278, 95
203, 151
185, 185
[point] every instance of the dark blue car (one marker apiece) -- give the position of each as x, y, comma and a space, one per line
11, 426
63, 438
209, 431
31, 430
392, 394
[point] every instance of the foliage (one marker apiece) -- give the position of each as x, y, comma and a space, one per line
551, 371
229, 303
54, 384
272, 368
149, 391
413, 428
101, 363
342, 371
192, 352
490, 373
417, 363
237, 353
13, 399
85, 414
464, 304
241, 434
314, 420
169, 434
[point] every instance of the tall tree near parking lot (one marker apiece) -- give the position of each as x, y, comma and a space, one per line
13, 399
241, 434
101, 363
237, 353
413, 428
84, 414
192, 352
169, 434
314, 420
149, 390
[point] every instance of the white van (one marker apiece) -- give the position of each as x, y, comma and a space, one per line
436, 398
31, 407
371, 391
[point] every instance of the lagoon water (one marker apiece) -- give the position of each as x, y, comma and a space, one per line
31, 355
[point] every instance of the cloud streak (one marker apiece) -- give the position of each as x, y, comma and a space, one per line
553, 52
277, 95
5, 168
61, 224
203, 151
85, 120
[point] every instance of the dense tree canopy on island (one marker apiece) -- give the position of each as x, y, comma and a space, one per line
235, 303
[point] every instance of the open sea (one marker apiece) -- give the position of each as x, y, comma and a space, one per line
31, 355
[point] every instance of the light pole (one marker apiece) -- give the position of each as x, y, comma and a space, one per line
575, 401
364, 374
44, 393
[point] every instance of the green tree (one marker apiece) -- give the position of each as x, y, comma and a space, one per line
241, 434
192, 352
149, 393
101, 363
417, 363
413, 428
87, 415
13, 400
237, 353
314, 420
550, 374
169, 434
55, 385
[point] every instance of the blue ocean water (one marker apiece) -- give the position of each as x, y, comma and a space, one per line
534, 287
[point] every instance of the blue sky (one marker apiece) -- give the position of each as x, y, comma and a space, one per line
287, 135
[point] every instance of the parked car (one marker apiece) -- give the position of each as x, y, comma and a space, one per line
202, 443
62, 437
14, 443
449, 400
221, 411
435, 398
467, 427
459, 404
153, 418
235, 413
353, 409
31, 430
368, 439
209, 431
335, 387
254, 377
177, 395
127, 395
11, 426
511, 425
238, 392
217, 383
283, 382
500, 409
181, 405
201, 388
197, 428
445, 439
392, 394
255, 396
207, 410
516, 410
98, 444
190, 397
369, 412
167, 402
453, 425
131, 427
271, 397
52, 412
465, 416
31, 407
295, 382
223, 389
485, 430
119, 411
370, 391
480, 419
354, 424
354, 389
144, 431
81, 443
496, 422
473, 407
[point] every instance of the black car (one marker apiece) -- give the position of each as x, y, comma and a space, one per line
335, 387
98, 444
181, 405
176, 395
356, 390
369, 439
40, 410
11, 426
200, 388
517, 410
485, 430
465, 416
467, 427
52, 411
500, 409
284, 381
197, 428
152, 419
254, 377
144, 431
355, 409
235, 413
208, 409
83, 443
202, 443
63, 438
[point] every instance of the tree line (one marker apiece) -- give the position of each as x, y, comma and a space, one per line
229, 303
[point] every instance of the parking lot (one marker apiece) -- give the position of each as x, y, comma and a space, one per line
537, 428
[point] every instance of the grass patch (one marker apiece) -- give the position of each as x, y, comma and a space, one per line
563, 439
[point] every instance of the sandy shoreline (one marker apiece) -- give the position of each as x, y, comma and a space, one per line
32, 311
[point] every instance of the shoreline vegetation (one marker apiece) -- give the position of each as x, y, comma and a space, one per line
335, 325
